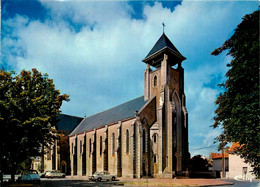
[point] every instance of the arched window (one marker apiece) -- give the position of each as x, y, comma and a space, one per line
144, 141
89, 146
127, 141
155, 80
154, 158
154, 138
113, 143
100, 145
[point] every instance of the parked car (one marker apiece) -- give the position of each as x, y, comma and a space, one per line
102, 175
42, 175
29, 176
55, 174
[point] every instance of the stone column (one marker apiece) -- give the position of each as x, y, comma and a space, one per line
179, 124
71, 156
132, 150
164, 71
104, 148
147, 82
102, 153
90, 163
139, 150
117, 149
171, 139
85, 148
160, 133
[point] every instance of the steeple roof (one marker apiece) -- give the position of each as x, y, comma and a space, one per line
162, 45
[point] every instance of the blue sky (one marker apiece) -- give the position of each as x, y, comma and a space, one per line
93, 50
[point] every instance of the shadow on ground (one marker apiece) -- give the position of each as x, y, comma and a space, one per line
55, 183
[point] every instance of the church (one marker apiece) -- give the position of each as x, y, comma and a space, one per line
144, 137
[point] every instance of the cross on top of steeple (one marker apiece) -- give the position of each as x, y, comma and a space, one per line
163, 26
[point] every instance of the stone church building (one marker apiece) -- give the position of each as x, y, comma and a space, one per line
147, 136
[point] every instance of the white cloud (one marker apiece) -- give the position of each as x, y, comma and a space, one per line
100, 65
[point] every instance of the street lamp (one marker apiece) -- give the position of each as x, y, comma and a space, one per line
244, 172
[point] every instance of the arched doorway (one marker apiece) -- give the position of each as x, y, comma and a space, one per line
64, 166
144, 170
145, 167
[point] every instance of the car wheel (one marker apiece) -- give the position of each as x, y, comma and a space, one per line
63, 176
113, 178
99, 179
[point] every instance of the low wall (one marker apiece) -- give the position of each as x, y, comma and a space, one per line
205, 174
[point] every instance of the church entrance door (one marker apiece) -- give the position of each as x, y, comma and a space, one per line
64, 166
144, 170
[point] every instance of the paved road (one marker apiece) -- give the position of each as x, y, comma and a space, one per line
253, 183
71, 183
67, 182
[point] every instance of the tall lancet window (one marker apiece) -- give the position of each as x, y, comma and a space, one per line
100, 145
80, 144
155, 81
113, 143
127, 141
89, 146
144, 141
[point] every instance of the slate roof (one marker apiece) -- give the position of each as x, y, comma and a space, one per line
68, 123
163, 42
118, 113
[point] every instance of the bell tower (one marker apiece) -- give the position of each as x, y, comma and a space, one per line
166, 83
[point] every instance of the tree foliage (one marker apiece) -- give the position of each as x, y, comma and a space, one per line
238, 107
29, 105
198, 164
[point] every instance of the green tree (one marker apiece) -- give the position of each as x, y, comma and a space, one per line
29, 105
238, 106
197, 163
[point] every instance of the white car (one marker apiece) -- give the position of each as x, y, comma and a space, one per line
102, 175
55, 174
29, 176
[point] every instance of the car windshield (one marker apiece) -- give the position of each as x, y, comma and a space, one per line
29, 172
33, 172
97, 173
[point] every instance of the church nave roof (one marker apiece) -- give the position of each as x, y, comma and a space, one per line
118, 113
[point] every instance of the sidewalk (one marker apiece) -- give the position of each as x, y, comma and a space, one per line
161, 182
174, 182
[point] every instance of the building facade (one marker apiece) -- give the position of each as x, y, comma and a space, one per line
238, 168
147, 136
56, 155
218, 163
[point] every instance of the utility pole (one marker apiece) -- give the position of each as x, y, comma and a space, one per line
223, 163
